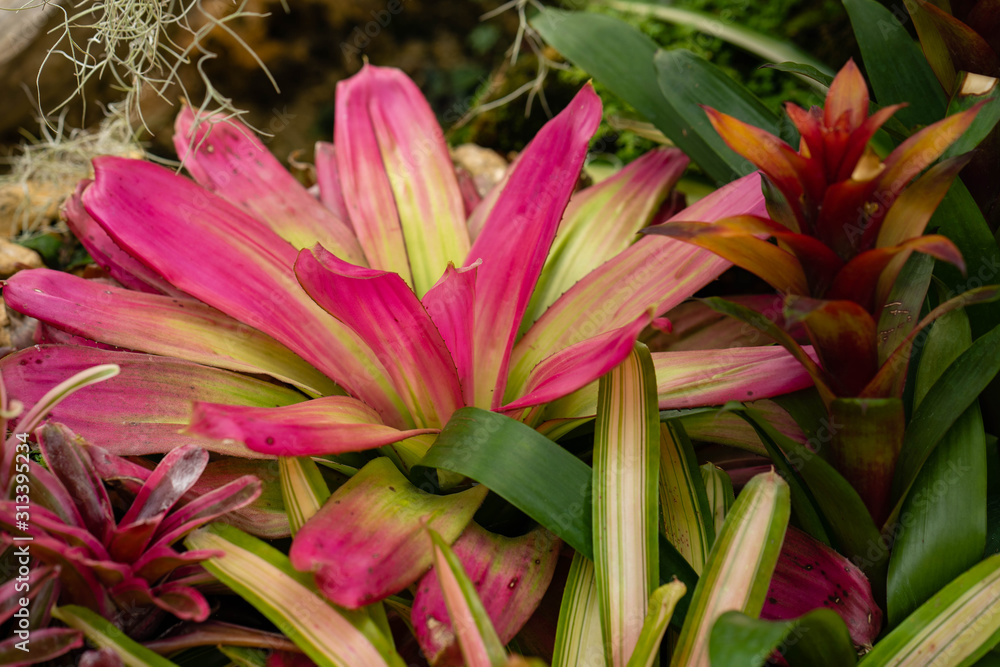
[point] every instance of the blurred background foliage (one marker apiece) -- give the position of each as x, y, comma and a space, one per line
459, 53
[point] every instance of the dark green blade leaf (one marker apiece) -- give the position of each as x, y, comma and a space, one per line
803, 70
946, 400
816, 639
959, 218
624, 63
942, 525
897, 70
525, 468
688, 81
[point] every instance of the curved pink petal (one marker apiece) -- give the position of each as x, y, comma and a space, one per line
578, 365
105, 252
231, 261
328, 425
141, 410
450, 305
178, 327
602, 221
227, 158
389, 318
518, 233
370, 539
656, 273
328, 181
398, 180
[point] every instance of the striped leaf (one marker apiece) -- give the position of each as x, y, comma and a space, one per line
303, 489
262, 576
719, 491
687, 517
739, 567
579, 637
105, 634
955, 627
626, 460
661, 609
476, 635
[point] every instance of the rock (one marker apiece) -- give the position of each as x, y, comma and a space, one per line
13, 258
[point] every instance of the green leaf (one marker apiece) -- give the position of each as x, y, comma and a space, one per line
823, 77
817, 639
902, 309
941, 530
262, 576
984, 123
689, 81
959, 385
955, 627
759, 44
688, 521
866, 442
477, 637
624, 64
661, 607
958, 217
897, 70
528, 470
105, 634
579, 637
739, 569
626, 467
303, 489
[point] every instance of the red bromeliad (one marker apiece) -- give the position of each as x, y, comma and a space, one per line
844, 222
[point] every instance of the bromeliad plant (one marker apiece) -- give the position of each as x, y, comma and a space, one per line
845, 221
74, 558
381, 309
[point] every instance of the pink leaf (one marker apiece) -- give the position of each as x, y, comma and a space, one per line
370, 541
226, 158
389, 318
327, 425
517, 234
231, 261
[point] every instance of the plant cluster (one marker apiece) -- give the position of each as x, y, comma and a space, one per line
389, 421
